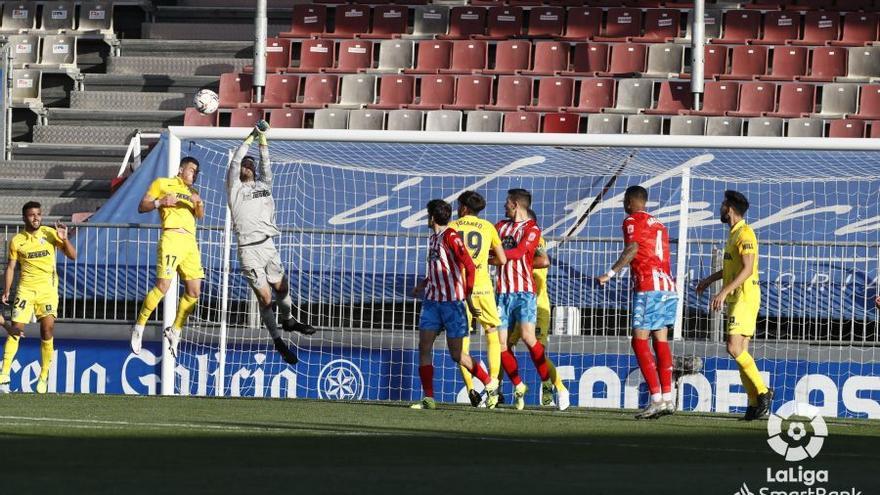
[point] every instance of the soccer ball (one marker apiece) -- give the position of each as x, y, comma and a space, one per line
206, 101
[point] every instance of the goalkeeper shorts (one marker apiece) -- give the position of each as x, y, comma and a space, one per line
261, 264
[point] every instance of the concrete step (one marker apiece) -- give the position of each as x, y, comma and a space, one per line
80, 188
56, 170
188, 66
206, 31
187, 48
86, 135
150, 83
228, 12
140, 119
52, 206
105, 153
128, 100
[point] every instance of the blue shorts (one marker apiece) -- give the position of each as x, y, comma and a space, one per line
446, 315
517, 307
653, 310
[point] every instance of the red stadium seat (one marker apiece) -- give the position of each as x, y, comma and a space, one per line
286, 118
395, 91
827, 63
626, 59
719, 97
277, 54
235, 89
320, 90
789, 62
503, 23
755, 98
779, 27
472, 92
853, 5
388, 21
511, 56
595, 94
244, 117
747, 62
433, 56
568, 123
846, 128
622, 24
464, 22
513, 92
819, 28
194, 118
315, 55
546, 22
795, 100
350, 21
435, 91
583, 23
875, 129
550, 57
674, 98
554, 93
280, 90
869, 103
521, 122
354, 56
468, 56
588, 59
661, 25
859, 28
739, 26
308, 20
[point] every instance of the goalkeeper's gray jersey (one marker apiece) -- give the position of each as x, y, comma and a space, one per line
251, 203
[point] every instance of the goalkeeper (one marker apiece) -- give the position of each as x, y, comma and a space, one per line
253, 218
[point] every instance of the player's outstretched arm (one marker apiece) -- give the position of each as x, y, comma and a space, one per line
261, 129
64, 243
626, 256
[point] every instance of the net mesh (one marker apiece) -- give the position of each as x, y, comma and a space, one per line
354, 243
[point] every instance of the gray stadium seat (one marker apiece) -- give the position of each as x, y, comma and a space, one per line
405, 120
394, 56
863, 63
57, 17
804, 127
58, 53
712, 22
765, 127
429, 20
18, 17
633, 95
95, 18
687, 125
373, 120
601, 123
443, 120
24, 49
357, 90
838, 99
664, 60
26, 85
331, 118
724, 126
483, 121
644, 124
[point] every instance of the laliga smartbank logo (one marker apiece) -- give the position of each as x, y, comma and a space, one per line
796, 431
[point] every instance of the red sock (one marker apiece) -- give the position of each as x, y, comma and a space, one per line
664, 364
480, 373
540, 360
426, 373
508, 362
646, 363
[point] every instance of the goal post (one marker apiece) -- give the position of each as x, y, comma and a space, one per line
350, 206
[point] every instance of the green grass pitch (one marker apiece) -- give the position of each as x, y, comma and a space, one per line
160, 445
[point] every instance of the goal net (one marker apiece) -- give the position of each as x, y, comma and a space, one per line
354, 240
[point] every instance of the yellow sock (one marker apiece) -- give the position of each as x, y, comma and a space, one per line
748, 367
466, 373
493, 349
750, 389
9, 351
47, 347
150, 303
185, 308
554, 376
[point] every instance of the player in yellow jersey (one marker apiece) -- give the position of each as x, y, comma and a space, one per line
37, 294
542, 327
480, 237
179, 206
742, 294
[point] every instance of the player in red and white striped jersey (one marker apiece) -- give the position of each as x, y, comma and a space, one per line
654, 298
447, 288
517, 302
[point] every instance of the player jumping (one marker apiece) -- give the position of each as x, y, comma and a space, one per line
37, 293
253, 218
480, 237
742, 294
447, 288
654, 298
